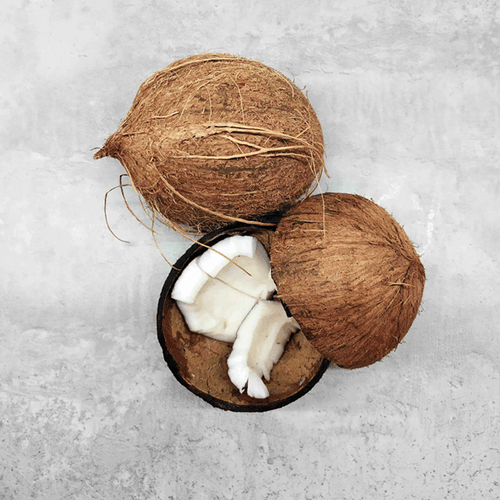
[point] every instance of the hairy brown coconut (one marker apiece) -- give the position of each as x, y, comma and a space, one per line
349, 275
216, 138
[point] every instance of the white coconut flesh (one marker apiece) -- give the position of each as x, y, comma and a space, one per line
209, 306
259, 344
227, 296
250, 269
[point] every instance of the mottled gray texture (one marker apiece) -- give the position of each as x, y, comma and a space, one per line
409, 98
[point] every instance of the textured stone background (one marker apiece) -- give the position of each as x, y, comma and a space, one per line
409, 98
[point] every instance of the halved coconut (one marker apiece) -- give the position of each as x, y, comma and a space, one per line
347, 273
200, 362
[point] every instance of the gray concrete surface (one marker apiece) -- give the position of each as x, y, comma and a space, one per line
408, 95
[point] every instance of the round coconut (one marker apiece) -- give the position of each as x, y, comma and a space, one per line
349, 275
199, 363
215, 138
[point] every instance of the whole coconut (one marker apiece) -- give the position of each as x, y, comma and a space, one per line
349, 275
216, 138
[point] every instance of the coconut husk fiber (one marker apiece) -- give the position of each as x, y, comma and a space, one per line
215, 138
349, 275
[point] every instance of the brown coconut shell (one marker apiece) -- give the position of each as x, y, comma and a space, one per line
199, 363
349, 275
215, 138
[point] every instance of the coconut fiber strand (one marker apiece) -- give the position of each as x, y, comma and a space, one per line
214, 138
349, 275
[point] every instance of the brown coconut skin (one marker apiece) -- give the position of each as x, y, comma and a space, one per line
215, 138
349, 275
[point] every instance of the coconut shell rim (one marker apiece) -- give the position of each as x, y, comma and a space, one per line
210, 239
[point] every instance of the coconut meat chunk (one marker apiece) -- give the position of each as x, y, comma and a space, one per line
260, 342
242, 263
209, 306
217, 312
189, 283
219, 254
214, 295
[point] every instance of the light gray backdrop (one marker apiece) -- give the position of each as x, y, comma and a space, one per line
408, 95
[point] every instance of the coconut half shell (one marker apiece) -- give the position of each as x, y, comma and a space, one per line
199, 363
349, 275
